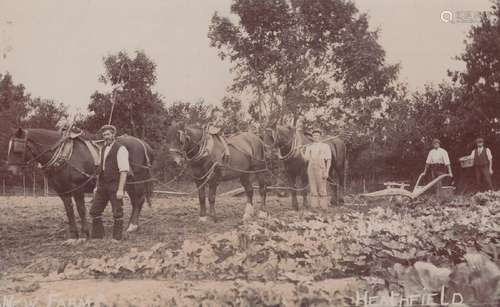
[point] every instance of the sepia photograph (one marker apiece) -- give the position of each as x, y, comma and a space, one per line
240, 153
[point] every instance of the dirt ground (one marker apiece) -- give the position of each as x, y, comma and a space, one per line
33, 242
36, 228
288, 258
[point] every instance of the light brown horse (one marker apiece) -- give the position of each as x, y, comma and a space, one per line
76, 176
290, 143
203, 153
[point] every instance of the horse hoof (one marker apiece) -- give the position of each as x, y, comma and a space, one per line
203, 219
132, 228
70, 242
262, 215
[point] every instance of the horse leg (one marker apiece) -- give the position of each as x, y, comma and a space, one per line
247, 185
305, 181
82, 212
70, 213
137, 201
262, 189
212, 190
293, 191
202, 199
337, 187
249, 208
341, 185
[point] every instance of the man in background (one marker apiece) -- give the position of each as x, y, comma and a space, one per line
483, 165
438, 163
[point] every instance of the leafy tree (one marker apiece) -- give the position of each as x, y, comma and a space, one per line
13, 108
480, 81
234, 114
45, 113
293, 56
136, 104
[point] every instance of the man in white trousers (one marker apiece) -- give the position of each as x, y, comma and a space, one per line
319, 157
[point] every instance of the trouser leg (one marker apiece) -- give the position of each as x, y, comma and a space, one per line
478, 174
313, 191
117, 206
437, 171
487, 177
98, 206
322, 189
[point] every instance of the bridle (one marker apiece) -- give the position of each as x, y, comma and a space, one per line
276, 143
185, 140
21, 144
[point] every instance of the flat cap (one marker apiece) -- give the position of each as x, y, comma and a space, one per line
108, 127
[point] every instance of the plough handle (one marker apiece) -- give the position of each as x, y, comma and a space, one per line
418, 180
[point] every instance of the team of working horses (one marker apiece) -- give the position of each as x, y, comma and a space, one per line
69, 162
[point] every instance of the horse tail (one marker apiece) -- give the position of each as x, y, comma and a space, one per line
149, 156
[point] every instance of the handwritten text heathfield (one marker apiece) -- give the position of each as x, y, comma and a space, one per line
398, 300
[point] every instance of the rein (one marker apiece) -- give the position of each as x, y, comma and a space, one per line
53, 159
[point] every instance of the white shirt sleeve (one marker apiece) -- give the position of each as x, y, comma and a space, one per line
327, 153
428, 161
122, 159
488, 154
473, 154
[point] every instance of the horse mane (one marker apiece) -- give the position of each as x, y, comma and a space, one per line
45, 136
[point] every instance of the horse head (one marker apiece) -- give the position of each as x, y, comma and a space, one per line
183, 141
278, 136
30, 145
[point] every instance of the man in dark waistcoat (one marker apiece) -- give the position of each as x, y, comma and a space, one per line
111, 180
483, 166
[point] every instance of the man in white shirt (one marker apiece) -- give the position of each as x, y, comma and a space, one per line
483, 165
438, 162
111, 180
319, 157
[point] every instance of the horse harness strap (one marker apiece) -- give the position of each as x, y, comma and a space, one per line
292, 151
62, 154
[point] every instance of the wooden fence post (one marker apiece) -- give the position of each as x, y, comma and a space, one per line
34, 183
24, 185
45, 186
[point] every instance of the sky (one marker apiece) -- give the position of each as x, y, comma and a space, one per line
55, 47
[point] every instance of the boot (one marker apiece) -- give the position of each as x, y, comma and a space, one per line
97, 229
118, 229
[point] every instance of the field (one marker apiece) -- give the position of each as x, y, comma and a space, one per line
424, 250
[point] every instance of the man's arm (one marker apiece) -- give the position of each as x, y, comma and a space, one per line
427, 163
447, 163
124, 168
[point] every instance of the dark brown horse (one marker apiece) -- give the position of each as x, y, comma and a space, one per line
73, 177
290, 144
204, 155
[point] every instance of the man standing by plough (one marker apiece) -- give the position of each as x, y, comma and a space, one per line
438, 162
483, 166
